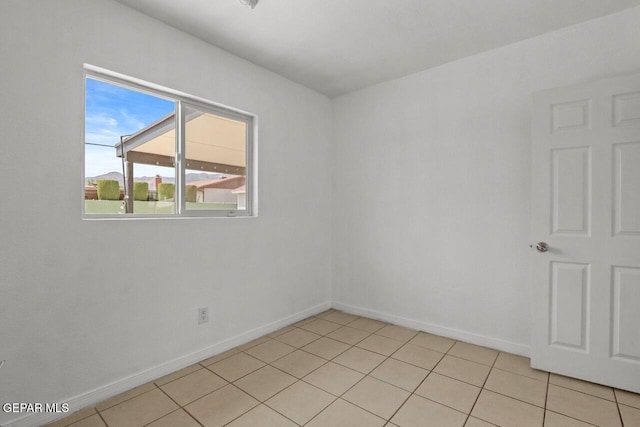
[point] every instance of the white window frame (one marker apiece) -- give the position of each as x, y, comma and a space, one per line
181, 99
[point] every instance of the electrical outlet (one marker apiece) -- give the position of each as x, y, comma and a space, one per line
203, 315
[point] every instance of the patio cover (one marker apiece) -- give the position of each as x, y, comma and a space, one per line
212, 144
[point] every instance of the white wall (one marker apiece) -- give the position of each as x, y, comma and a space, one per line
84, 304
432, 183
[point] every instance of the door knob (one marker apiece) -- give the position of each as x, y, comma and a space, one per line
542, 247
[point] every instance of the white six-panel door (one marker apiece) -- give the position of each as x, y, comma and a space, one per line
586, 208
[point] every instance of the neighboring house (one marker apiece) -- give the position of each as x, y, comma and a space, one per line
218, 190
90, 192
241, 193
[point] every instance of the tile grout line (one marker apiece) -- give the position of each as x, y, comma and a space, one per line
454, 379
418, 386
179, 406
355, 384
521, 375
524, 376
237, 379
340, 397
549, 383
166, 415
573, 418
156, 419
300, 380
482, 388
500, 393
615, 396
429, 373
297, 379
245, 412
491, 367
546, 398
296, 349
304, 351
514, 398
264, 402
125, 400
324, 364
585, 393
99, 415
231, 382
260, 402
78, 420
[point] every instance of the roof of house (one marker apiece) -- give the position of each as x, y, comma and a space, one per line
228, 183
240, 190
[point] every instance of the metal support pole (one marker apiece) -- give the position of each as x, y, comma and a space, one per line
129, 190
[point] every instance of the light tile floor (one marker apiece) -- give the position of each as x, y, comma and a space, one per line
336, 369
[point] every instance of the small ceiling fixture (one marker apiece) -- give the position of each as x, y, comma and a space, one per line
251, 4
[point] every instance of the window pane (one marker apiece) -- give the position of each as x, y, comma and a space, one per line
216, 160
123, 120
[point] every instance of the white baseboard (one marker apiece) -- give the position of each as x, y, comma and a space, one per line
99, 394
92, 397
470, 337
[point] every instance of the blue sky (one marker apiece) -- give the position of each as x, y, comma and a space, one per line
112, 111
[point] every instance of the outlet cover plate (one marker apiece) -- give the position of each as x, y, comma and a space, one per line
203, 315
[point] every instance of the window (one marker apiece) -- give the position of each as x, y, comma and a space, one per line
153, 152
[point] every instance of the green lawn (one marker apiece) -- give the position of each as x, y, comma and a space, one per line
147, 208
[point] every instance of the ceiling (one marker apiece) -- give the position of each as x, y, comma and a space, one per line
337, 46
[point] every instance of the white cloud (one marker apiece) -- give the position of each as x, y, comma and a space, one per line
132, 122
